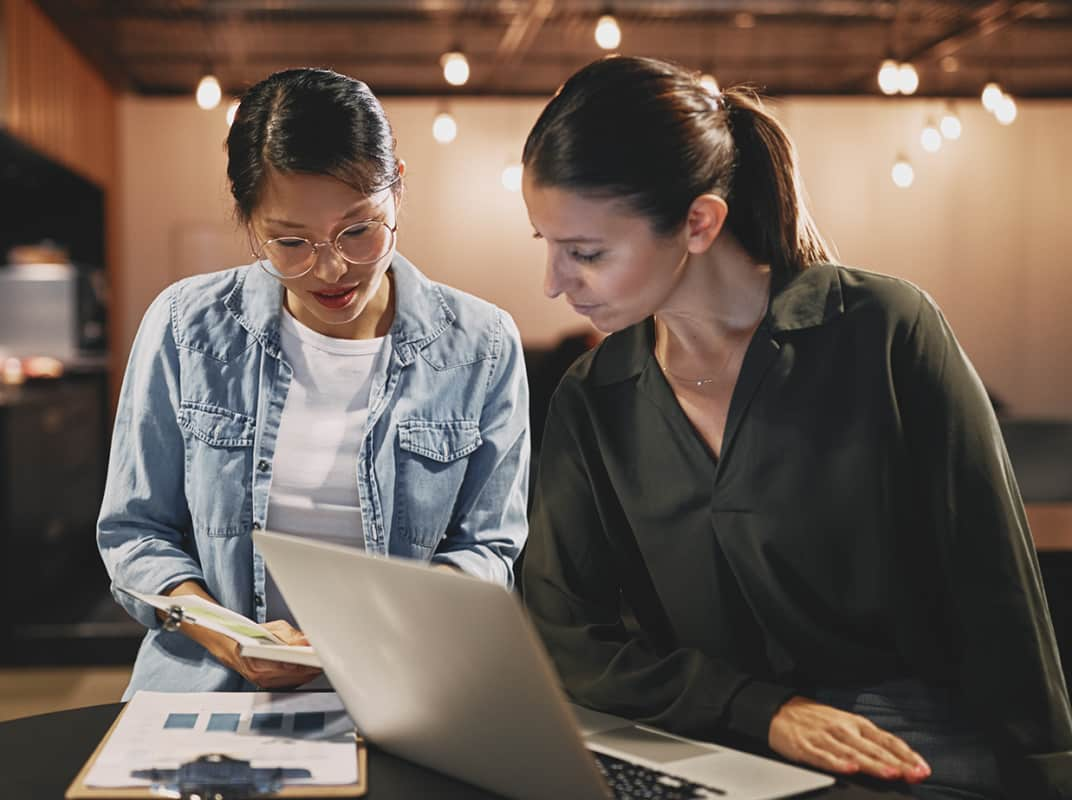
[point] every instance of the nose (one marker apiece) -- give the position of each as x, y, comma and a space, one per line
557, 277
328, 265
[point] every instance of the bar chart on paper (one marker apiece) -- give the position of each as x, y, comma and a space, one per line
308, 731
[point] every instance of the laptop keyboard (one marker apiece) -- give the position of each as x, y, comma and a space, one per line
629, 781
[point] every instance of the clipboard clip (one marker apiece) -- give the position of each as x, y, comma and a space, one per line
175, 616
216, 776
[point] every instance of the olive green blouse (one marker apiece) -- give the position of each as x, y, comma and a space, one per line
861, 524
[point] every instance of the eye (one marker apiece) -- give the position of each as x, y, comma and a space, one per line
357, 231
586, 258
290, 242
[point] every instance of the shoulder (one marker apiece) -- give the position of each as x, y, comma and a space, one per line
895, 301
196, 315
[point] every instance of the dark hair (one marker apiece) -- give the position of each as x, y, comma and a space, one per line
311, 121
648, 132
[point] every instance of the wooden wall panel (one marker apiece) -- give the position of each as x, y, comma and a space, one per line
55, 101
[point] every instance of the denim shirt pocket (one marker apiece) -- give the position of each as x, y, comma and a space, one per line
219, 463
431, 467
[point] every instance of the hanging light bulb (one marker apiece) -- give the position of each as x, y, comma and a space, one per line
608, 34
444, 128
209, 93
991, 96
888, 77
902, 172
1005, 110
511, 178
907, 79
455, 67
930, 137
232, 110
707, 80
950, 125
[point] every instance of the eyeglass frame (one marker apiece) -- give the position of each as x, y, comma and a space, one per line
334, 242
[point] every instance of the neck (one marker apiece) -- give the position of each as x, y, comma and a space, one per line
718, 303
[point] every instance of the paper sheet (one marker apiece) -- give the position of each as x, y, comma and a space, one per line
303, 730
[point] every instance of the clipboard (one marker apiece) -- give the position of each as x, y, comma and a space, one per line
79, 790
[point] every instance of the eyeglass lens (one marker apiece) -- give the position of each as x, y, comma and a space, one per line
363, 242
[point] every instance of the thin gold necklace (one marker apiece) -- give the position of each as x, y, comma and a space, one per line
700, 382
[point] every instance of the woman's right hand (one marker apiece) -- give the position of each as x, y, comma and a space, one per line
828, 738
264, 673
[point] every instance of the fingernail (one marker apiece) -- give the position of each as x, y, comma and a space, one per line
891, 772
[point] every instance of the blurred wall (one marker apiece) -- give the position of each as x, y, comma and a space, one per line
985, 228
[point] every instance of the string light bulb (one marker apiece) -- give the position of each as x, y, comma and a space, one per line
707, 80
902, 173
232, 110
930, 138
455, 67
1005, 110
608, 34
209, 92
907, 79
511, 177
991, 96
444, 128
888, 77
950, 125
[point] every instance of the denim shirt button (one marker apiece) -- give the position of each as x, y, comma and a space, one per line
263, 465
256, 525
259, 600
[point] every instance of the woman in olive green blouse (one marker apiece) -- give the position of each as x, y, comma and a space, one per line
773, 506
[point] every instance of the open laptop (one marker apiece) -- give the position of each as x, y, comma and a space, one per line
445, 670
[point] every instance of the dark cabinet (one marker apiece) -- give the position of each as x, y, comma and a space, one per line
53, 441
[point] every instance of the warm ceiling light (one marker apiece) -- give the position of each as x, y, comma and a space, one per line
744, 20
707, 80
907, 79
231, 111
1005, 110
887, 77
930, 138
949, 63
950, 125
511, 178
209, 93
902, 173
444, 129
608, 34
991, 95
455, 67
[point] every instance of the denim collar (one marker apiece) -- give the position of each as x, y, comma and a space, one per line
421, 310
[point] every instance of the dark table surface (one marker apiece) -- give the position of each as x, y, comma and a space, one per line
40, 755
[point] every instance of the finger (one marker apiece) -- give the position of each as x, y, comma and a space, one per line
850, 750
916, 767
817, 756
853, 736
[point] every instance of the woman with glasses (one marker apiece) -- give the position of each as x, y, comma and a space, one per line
773, 506
328, 389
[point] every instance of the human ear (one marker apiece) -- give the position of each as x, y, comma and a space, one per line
704, 222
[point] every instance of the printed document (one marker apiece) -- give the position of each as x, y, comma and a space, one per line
292, 730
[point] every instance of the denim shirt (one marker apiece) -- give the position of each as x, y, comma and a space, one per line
442, 473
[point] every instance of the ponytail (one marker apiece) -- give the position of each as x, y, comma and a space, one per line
767, 212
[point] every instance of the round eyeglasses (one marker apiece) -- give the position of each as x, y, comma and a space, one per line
364, 242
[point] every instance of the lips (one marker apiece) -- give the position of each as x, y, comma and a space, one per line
581, 308
336, 298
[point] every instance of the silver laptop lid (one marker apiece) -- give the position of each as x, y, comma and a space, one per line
437, 667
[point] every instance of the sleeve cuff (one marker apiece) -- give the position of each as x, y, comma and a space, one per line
753, 707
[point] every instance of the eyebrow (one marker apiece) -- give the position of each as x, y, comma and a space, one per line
354, 210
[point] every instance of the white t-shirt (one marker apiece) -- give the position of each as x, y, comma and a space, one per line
314, 478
